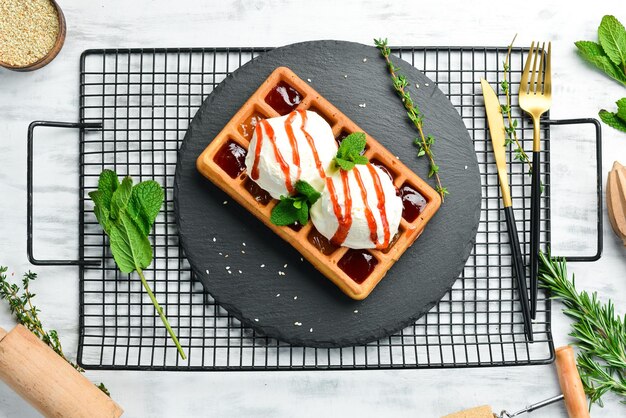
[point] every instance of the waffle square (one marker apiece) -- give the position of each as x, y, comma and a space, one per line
327, 258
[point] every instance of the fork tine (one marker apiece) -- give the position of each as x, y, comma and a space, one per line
541, 72
524, 80
547, 88
533, 78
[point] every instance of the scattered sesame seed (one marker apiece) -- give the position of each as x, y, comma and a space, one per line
301, 259
295, 297
277, 294
227, 267
298, 324
239, 271
281, 273
417, 86
356, 311
243, 252
243, 243
225, 202
214, 239
285, 266
311, 330
345, 76
230, 272
226, 256
220, 253
262, 265
308, 79
364, 59
362, 105
426, 84
207, 272
256, 319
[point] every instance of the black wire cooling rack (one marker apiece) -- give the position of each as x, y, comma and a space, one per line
141, 102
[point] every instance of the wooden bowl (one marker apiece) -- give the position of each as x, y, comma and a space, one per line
51, 54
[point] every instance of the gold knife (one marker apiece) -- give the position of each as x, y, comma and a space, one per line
497, 133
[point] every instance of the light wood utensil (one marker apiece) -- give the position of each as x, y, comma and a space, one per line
48, 382
535, 97
616, 199
572, 390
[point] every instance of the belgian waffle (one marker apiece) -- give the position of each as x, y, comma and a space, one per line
329, 260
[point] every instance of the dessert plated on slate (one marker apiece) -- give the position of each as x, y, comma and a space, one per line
316, 179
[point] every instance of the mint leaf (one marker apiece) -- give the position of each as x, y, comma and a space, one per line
612, 120
145, 203
360, 159
284, 213
303, 214
126, 214
605, 64
129, 246
589, 49
344, 164
621, 109
612, 37
305, 189
107, 185
120, 197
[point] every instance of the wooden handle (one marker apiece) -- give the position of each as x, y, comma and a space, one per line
571, 385
47, 381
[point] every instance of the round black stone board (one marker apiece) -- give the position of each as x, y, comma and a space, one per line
347, 74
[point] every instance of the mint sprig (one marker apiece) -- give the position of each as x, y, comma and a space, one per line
292, 209
617, 119
350, 151
127, 214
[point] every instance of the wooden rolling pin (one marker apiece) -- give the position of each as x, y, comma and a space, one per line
616, 199
47, 381
571, 387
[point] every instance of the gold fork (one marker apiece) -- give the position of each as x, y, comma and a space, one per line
535, 97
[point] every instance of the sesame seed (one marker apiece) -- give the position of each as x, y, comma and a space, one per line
256, 319
225, 202
311, 330
345, 76
298, 324
243, 252
285, 266
466, 167
239, 271
226, 256
362, 105
295, 297
417, 86
364, 59
262, 265
214, 239
220, 253
277, 294
426, 84
308, 79
227, 267
356, 311
230, 272
207, 272
243, 243
301, 259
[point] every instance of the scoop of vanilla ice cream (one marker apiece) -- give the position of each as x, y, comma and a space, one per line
270, 173
359, 237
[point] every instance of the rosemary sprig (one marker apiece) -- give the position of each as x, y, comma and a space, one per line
599, 332
27, 314
423, 142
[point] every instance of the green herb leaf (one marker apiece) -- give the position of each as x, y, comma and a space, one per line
612, 120
612, 37
126, 214
307, 191
284, 213
350, 150
344, 164
621, 108
303, 214
129, 246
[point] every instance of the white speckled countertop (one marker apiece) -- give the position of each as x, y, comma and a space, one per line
52, 94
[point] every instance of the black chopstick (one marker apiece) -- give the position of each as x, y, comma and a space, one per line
520, 272
535, 217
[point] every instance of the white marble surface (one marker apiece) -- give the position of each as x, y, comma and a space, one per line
51, 93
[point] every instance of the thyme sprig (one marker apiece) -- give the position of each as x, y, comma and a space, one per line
424, 142
511, 128
600, 334
21, 306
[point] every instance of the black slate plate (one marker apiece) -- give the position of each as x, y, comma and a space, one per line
274, 304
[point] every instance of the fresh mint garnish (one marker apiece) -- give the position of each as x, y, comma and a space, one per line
617, 119
350, 151
292, 209
127, 214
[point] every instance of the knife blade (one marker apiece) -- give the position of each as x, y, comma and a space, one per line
497, 134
